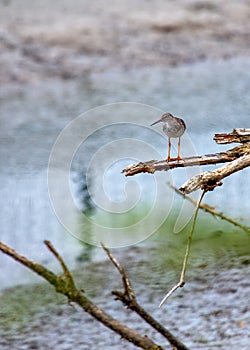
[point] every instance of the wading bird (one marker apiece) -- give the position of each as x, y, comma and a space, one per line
172, 127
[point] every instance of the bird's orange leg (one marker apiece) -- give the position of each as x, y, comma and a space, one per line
179, 149
169, 148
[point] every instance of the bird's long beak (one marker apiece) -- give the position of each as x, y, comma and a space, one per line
158, 121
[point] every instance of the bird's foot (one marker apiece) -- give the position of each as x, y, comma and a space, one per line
173, 159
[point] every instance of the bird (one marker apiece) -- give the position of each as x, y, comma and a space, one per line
172, 127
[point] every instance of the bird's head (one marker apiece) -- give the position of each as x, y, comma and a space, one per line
164, 118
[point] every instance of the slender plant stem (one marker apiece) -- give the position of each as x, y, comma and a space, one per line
207, 208
181, 282
184, 267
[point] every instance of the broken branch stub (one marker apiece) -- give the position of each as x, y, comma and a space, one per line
237, 135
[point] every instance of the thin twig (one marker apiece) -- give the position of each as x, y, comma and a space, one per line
211, 210
66, 271
126, 282
181, 282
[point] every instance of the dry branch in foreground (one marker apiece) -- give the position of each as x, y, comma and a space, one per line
65, 285
128, 298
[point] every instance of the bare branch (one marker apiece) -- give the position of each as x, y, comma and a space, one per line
129, 299
208, 180
208, 159
62, 263
126, 282
237, 135
32, 265
211, 210
65, 286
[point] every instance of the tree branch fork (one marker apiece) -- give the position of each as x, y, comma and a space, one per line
237, 158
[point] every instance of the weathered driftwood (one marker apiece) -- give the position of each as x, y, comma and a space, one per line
153, 165
208, 180
237, 135
237, 158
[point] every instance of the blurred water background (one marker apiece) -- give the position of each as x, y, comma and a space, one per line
212, 97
